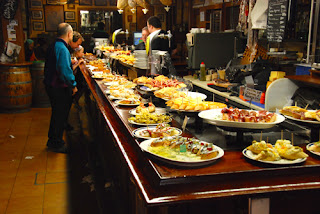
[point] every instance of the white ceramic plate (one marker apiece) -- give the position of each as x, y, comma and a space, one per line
308, 148
110, 83
248, 154
158, 111
193, 95
118, 103
150, 124
304, 121
137, 132
97, 78
145, 88
213, 116
114, 98
146, 144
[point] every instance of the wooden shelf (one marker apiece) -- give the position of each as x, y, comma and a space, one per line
305, 79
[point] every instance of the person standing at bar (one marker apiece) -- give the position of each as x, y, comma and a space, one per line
145, 34
153, 41
60, 86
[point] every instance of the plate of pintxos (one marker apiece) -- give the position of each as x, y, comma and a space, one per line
241, 118
182, 151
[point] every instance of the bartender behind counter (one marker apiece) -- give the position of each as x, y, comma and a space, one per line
155, 42
145, 34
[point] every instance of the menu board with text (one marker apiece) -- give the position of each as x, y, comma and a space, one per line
277, 15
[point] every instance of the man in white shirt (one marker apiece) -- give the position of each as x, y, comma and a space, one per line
155, 42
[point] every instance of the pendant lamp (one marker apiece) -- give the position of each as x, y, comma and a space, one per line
167, 3
121, 4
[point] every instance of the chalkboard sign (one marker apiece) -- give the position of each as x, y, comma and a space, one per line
277, 15
9, 8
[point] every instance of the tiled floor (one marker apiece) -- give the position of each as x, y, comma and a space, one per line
32, 179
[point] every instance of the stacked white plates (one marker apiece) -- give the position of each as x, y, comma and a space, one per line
141, 58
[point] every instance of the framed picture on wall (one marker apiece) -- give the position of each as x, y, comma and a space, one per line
52, 1
71, 6
53, 16
37, 26
35, 4
36, 14
100, 2
73, 25
113, 2
85, 2
69, 15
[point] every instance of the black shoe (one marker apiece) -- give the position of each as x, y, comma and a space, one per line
62, 149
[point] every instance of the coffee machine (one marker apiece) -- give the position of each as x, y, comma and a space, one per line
214, 49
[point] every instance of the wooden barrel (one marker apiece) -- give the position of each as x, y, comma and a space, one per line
15, 87
39, 95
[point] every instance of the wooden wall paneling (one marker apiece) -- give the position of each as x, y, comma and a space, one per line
142, 18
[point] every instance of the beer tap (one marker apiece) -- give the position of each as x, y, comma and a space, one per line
168, 35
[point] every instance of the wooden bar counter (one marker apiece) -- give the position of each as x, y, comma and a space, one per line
225, 186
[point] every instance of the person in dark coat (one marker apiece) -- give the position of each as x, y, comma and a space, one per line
155, 42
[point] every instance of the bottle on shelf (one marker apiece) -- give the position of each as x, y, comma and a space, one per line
203, 71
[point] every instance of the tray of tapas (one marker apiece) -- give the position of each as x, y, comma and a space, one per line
282, 153
161, 130
241, 118
182, 151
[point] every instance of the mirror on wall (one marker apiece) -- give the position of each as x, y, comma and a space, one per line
89, 20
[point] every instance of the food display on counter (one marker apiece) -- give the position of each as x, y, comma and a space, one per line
226, 117
128, 102
101, 75
97, 63
295, 112
283, 152
161, 130
126, 58
141, 109
193, 104
242, 115
123, 94
158, 84
169, 93
314, 148
120, 83
149, 118
112, 77
142, 80
183, 150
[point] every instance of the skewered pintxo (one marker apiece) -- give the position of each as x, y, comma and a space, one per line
189, 148
242, 115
